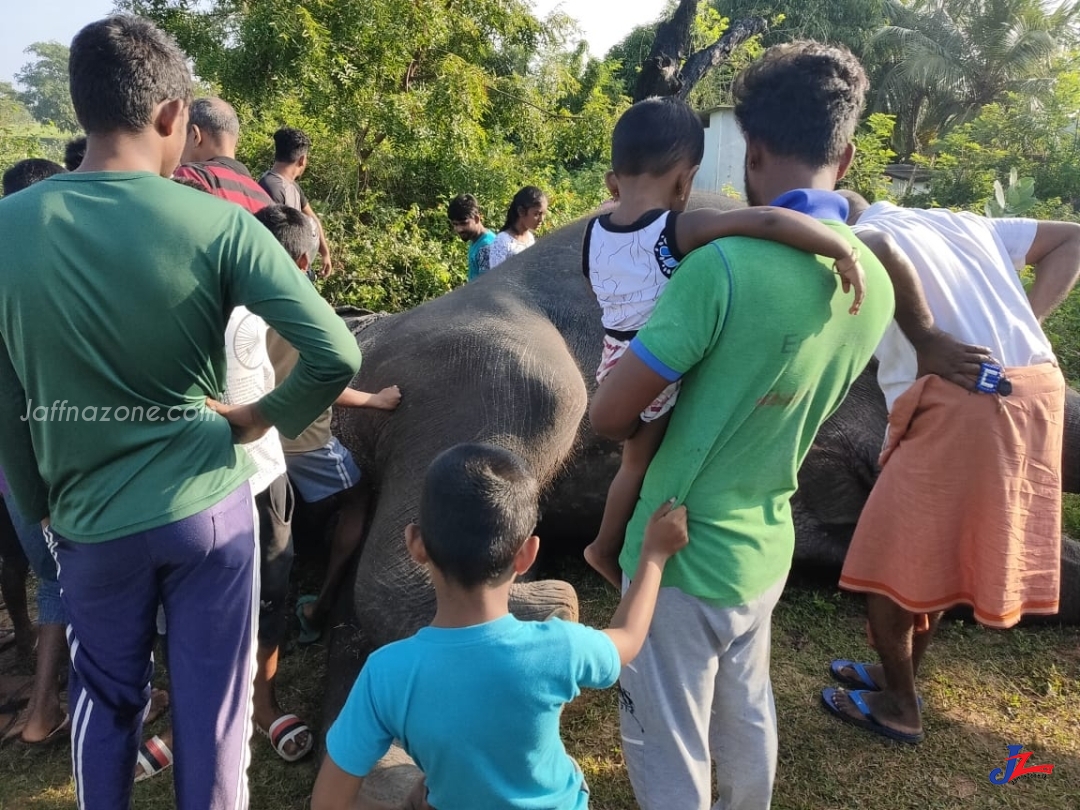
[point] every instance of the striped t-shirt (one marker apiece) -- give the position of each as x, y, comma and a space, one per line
228, 179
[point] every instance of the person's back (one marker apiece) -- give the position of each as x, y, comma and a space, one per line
478, 708
84, 294
968, 266
780, 367
475, 698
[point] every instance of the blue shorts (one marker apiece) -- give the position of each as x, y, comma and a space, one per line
318, 474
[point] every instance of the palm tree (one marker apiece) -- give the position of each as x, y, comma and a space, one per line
940, 61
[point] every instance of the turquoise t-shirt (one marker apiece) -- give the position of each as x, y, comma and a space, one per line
762, 339
478, 255
117, 287
478, 709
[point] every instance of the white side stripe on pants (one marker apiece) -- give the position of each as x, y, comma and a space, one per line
83, 709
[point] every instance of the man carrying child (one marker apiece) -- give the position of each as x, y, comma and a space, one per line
761, 337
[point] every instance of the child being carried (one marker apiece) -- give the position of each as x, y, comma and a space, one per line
630, 254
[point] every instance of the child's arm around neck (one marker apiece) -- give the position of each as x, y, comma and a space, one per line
664, 536
696, 228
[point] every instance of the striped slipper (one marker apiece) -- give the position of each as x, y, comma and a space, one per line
154, 757
285, 730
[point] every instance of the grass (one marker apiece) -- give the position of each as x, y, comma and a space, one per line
984, 690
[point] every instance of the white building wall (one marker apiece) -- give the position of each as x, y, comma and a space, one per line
725, 154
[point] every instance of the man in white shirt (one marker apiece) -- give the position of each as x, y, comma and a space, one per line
967, 507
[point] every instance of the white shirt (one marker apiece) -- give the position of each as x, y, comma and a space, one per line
505, 246
629, 266
968, 266
249, 375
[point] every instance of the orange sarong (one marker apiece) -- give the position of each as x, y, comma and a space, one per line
967, 509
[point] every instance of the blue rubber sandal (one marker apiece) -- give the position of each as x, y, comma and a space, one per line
863, 681
309, 633
865, 720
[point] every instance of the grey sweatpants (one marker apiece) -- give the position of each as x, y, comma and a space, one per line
700, 691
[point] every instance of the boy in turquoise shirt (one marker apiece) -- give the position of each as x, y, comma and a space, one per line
475, 698
468, 223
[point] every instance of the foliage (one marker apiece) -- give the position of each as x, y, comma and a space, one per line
1037, 140
845, 22
21, 136
938, 62
408, 102
1016, 200
872, 155
45, 79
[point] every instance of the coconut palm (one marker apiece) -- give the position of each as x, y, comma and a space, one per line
940, 61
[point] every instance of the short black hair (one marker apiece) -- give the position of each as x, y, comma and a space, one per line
526, 198
214, 116
656, 135
290, 145
802, 100
27, 172
291, 228
462, 208
478, 506
74, 153
120, 69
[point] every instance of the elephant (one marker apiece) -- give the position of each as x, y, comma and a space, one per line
510, 359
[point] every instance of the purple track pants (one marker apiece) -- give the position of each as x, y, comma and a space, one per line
204, 571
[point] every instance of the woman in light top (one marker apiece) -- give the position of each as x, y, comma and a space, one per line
526, 214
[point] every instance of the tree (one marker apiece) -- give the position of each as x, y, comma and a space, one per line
408, 103
943, 60
673, 67
851, 23
46, 93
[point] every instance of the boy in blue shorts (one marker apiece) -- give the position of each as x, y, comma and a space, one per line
475, 698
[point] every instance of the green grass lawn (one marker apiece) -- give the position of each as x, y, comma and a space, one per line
984, 691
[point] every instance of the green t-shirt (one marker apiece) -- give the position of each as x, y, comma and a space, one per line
117, 287
762, 334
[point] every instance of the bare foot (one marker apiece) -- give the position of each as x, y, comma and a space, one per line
604, 563
159, 702
41, 722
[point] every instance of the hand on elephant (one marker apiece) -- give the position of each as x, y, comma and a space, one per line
386, 400
942, 354
666, 532
248, 424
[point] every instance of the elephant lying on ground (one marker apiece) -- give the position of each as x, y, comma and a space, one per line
509, 359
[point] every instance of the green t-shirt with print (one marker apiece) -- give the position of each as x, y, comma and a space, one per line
761, 335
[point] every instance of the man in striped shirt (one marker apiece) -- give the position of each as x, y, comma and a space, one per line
210, 155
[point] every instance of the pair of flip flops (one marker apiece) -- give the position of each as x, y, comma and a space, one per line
285, 730
155, 755
858, 686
